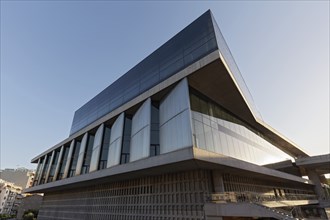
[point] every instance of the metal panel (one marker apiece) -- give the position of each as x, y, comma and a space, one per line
58, 163
50, 165
116, 139
96, 149
68, 161
175, 102
81, 154
175, 119
140, 137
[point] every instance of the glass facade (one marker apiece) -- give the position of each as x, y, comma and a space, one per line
125, 150
189, 45
53, 166
217, 130
74, 159
88, 154
105, 148
178, 119
36, 179
45, 169
63, 161
154, 134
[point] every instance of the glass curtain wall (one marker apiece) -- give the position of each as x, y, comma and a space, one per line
35, 182
154, 134
124, 157
53, 165
105, 148
74, 159
63, 161
88, 154
45, 169
219, 131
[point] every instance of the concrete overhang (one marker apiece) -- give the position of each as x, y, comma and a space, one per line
319, 163
286, 166
186, 159
218, 83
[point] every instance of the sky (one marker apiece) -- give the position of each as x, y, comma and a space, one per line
57, 55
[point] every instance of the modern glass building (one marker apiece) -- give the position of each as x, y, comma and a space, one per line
179, 137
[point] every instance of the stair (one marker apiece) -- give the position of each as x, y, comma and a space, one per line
278, 213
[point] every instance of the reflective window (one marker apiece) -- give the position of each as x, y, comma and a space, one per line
154, 135
88, 154
63, 161
124, 157
105, 148
53, 165
217, 130
74, 159
38, 172
189, 45
45, 169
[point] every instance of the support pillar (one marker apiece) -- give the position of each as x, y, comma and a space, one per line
217, 179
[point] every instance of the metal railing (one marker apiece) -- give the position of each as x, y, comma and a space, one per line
256, 197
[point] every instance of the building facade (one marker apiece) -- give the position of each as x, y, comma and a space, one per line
179, 137
10, 195
29, 202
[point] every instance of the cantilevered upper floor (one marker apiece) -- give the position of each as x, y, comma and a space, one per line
186, 104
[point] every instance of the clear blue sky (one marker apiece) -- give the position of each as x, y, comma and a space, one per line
56, 55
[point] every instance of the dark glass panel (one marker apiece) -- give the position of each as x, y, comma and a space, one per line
38, 172
192, 43
88, 154
63, 161
45, 169
74, 159
53, 166
154, 133
125, 150
105, 148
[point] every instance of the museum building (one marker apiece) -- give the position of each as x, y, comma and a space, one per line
179, 137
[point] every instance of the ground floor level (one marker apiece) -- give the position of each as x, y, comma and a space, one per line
194, 194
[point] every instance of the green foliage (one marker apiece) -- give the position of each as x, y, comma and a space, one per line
328, 181
30, 214
5, 216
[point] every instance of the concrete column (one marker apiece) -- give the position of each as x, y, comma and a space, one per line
312, 175
68, 161
81, 154
49, 166
218, 181
57, 169
96, 149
